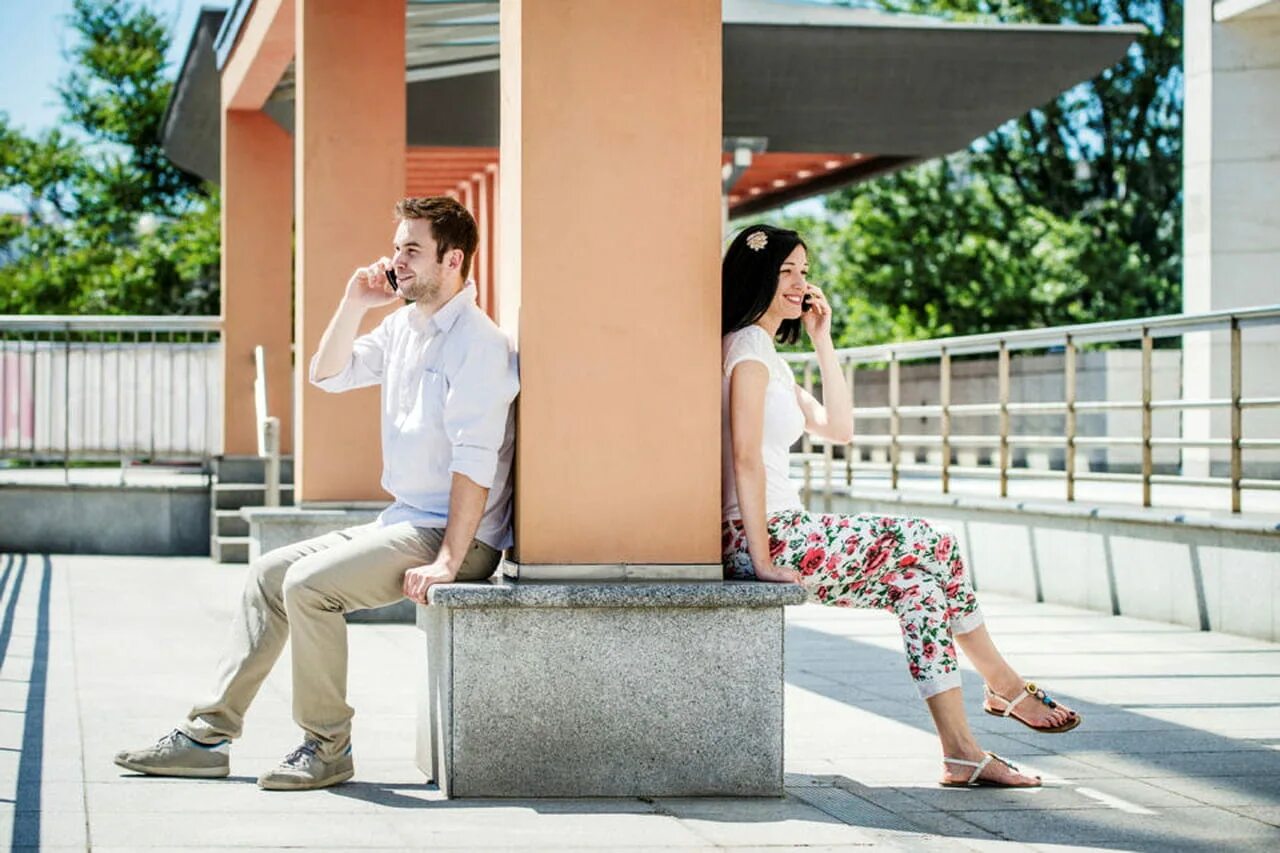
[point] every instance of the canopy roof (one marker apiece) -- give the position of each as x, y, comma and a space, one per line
830, 95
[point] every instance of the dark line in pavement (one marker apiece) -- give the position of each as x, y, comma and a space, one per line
6, 627
26, 817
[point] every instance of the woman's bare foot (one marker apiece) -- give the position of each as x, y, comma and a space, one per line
997, 772
1032, 707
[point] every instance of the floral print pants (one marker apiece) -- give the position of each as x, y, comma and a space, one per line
905, 565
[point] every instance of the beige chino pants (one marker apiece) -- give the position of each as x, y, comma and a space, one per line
300, 593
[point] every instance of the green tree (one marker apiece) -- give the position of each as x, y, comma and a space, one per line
110, 227
1072, 213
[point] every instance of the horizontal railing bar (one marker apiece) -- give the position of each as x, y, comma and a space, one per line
1107, 405
1190, 442
1109, 477
107, 323
1247, 483
1108, 441
1037, 440
1179, 480
1045, 408
1259, 402
1258, 443
1190, 404
1109, 331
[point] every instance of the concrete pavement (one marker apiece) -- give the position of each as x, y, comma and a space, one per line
1179, 749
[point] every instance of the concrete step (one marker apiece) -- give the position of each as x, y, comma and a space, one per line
236, 495
228, 522
230, 549
249, 469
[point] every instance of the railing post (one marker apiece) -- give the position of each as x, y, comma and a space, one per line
1146, 416
4, 393
1003, 370
66, 406
1237, 420
1069, 380
151, 396
944, 383
895, 390
849, 449
828, 464
271, 464
806, 444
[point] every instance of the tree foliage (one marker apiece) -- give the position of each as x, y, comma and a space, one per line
110, 226
1071, 213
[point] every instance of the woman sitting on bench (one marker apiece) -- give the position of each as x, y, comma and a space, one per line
900, 564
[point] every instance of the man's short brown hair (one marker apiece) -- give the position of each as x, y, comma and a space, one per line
452, 225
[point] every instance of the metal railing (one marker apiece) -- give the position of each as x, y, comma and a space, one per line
1069, 340
106, 388
268, 431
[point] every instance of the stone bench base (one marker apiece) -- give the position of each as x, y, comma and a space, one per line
591, 689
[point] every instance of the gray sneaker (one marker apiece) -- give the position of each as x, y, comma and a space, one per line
176, 754
303, 770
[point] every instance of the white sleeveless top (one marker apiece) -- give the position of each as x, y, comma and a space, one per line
783, 422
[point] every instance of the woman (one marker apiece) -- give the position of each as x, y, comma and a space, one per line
899, 564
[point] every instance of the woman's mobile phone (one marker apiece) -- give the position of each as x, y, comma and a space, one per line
806, 303
391, 279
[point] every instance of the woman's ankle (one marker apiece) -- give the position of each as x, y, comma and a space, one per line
1007, 685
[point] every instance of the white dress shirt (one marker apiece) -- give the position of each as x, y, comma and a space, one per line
447, 386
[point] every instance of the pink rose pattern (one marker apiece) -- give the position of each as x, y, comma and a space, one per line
904, 565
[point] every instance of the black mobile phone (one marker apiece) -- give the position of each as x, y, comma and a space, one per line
806, 303
391, 279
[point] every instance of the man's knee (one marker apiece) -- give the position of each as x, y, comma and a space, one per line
266, 574
305, 583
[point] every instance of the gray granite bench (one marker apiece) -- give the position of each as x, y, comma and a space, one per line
608, 689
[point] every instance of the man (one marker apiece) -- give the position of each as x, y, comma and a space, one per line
448, 377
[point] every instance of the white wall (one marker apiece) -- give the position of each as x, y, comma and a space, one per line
1231, 241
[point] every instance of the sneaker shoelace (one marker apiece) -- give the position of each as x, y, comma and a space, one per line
299, 757
177, 738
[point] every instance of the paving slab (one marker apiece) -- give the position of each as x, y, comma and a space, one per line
1180, 748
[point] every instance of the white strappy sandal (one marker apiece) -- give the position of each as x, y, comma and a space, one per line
978, 766
1029, 689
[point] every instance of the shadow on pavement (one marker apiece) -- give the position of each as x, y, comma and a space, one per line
1247, 765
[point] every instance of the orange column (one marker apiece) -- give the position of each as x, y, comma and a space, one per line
610, 254
350, 161
479, 188
491, 174
257, 274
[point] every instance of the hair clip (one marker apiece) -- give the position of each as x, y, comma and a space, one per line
757, 241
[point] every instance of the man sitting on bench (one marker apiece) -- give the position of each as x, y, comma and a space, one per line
448, 378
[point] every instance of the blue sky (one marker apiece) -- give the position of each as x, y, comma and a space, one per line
34, 38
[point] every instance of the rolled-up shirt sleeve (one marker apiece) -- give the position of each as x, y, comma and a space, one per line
368, 354
476, 407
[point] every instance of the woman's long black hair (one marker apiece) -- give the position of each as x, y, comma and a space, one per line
749, 278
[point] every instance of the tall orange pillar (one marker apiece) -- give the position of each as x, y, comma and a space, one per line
350, 170
610, 247
257, 275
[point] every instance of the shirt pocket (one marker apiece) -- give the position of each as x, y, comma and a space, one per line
421, 406
432, 392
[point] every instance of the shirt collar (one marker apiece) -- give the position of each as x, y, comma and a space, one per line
449, 312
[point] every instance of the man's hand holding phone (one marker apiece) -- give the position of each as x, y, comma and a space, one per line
369, 287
